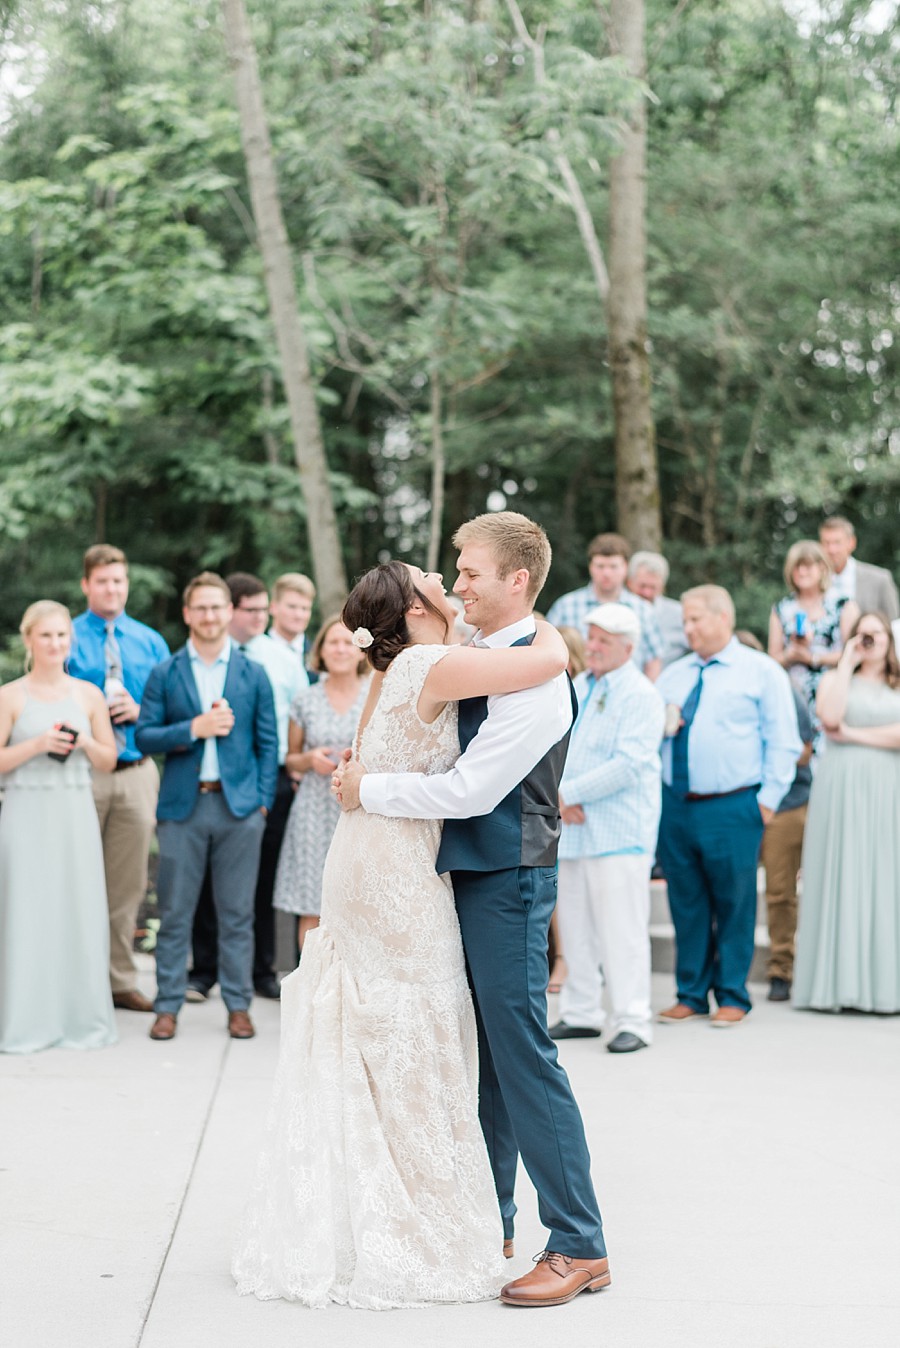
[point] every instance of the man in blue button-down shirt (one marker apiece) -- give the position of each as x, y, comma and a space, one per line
117, 653
610, 800
725, 771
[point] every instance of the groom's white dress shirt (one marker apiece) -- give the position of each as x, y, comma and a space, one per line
519, 730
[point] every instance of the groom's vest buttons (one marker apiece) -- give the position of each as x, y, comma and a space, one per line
524, 829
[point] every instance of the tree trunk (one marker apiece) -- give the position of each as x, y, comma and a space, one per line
438, 468
309, 449
637, 473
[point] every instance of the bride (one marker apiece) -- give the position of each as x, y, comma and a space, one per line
373, 1188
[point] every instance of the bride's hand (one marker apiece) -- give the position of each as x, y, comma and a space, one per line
345, 784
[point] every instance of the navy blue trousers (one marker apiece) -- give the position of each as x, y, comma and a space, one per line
709, 851
526, 1104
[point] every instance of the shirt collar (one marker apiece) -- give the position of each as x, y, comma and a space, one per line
99, 624
507, 636
221, 659
726, 656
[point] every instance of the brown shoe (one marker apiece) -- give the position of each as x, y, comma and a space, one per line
240, 1026
726, 1017
679, 1014
509, 1249
555, 1279
164, 1026
132, 1001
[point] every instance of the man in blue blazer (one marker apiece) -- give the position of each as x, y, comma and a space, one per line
210, 710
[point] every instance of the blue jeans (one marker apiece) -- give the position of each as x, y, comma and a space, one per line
709, 851
210, 835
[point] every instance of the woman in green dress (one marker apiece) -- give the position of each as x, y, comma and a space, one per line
848, 943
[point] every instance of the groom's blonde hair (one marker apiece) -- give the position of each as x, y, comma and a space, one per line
516, 543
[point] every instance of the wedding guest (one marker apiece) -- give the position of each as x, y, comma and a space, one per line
726, 769
210, 710
808, 626
575, 646
782, 849
116, 652
608, 557
324, 721
54, 926
610, 804
648, 574
848, 954
250, 611
872, 587
293, 595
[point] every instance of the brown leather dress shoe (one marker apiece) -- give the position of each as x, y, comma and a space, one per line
555, 1279
240, 1026
164, 1026
679, 1014
132, 1001
727, 1016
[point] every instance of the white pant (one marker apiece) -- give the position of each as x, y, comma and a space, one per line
604, 919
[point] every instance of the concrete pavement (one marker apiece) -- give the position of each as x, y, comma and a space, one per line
749, 1181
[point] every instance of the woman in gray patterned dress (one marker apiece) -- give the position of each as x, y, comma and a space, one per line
324, 719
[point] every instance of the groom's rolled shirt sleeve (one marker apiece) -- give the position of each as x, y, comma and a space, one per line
520, 728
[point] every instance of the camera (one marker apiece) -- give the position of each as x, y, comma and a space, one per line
867, 641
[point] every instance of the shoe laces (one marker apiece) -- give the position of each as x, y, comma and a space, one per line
555, 1261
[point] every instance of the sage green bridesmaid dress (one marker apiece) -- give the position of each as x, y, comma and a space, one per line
848, 941
54, 923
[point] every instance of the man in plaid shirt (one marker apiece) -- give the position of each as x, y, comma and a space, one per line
608, 556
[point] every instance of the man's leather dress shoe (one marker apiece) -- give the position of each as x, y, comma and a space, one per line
132, 1001
555, 1279
240, 1026
563, 1031
268, 987
626, 1042
164, 1026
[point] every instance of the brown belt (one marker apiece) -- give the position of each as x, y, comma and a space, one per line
124, 763
208, 788
720, 795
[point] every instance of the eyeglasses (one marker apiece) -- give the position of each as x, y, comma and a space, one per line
253, 608
207, 608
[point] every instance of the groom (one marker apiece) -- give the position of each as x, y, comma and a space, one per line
500, 806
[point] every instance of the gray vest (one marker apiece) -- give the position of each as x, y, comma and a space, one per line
524, 829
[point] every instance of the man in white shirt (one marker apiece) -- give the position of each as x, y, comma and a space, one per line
291, 609
500, 806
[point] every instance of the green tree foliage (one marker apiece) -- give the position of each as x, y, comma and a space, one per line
437, 254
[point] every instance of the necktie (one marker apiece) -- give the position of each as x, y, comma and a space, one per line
114, 685
680, 782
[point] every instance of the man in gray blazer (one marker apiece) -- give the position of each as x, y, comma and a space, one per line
872, 587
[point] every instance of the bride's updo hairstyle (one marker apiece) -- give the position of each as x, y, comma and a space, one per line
379, 603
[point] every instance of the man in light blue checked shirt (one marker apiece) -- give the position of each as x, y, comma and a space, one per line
610, 802
608, 556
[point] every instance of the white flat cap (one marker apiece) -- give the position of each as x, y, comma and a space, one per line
618, 619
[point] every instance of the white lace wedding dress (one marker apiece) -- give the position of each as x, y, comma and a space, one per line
374, 1188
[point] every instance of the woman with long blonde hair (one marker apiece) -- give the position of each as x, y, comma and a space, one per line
54, 924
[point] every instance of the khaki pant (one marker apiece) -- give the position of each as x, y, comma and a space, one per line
782, 846
126, 808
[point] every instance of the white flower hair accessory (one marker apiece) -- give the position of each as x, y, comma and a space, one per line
363, 638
